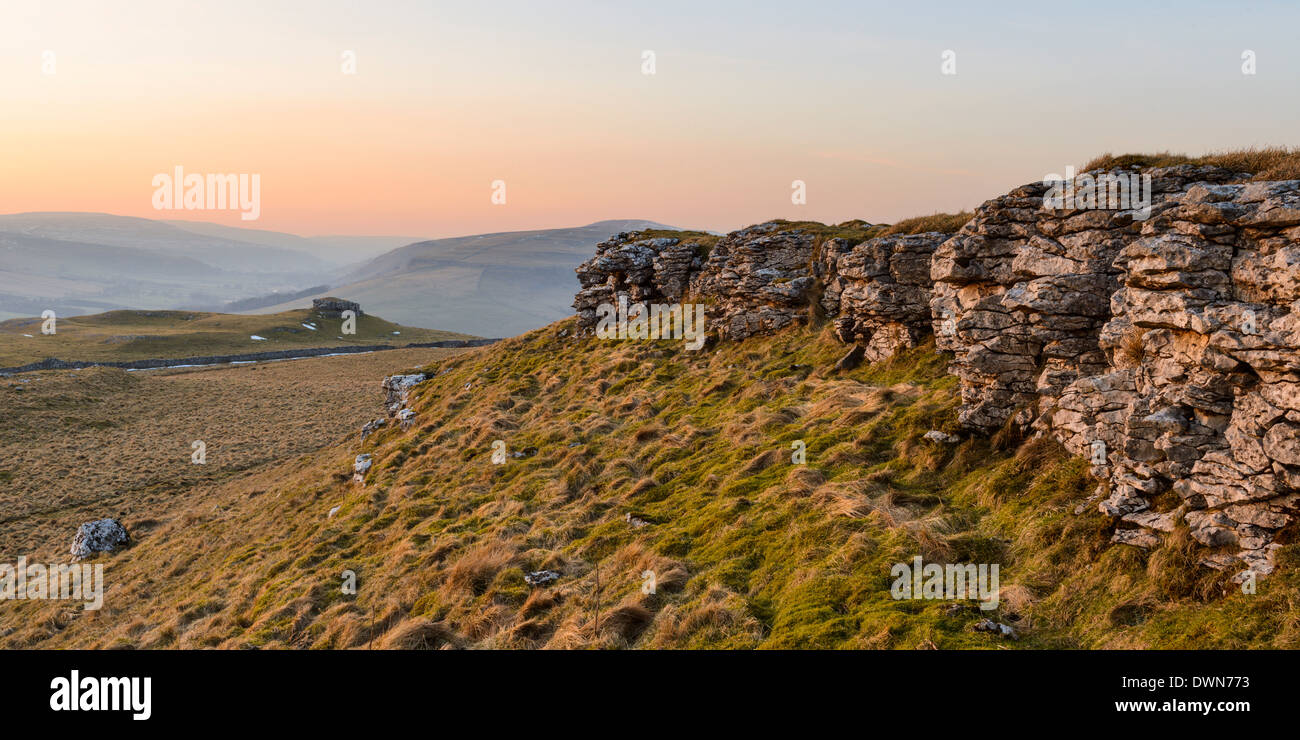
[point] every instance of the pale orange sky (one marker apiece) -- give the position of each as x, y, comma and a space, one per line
550, 98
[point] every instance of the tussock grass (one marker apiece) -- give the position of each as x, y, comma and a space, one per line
1263, 163
948, 223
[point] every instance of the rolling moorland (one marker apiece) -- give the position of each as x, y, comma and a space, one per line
632, 457
81, 444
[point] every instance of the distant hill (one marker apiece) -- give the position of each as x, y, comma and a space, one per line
77, 263
158, 236
341, 250
137, 335
488, 284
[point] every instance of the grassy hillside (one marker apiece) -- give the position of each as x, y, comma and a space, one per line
136, 335
747, 549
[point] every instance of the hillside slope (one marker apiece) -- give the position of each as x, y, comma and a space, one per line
746, 549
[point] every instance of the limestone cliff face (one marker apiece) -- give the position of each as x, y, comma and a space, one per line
1021, 294
1203, 349
1165, 349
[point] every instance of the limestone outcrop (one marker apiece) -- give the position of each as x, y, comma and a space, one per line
1021, 294
766, 277
878, 292
1162, 342
333, 308
1197, 416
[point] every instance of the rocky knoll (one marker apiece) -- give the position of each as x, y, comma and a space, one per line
1164, 345
766, 277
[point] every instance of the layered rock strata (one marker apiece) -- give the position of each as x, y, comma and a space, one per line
767, 277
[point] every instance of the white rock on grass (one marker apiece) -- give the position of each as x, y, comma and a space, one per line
938, 437
101, 535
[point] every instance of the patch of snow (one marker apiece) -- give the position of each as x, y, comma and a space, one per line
256, 338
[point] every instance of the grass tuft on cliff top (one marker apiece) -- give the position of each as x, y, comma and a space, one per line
1264, 163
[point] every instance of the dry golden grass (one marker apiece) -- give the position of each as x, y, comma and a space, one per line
947, 223
1262, 163
84, 444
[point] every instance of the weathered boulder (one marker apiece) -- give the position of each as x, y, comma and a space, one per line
101, 535
396, 389
371, 427
360, 467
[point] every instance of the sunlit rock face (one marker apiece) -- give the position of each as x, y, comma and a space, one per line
1165, 349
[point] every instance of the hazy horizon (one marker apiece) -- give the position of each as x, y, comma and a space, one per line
254, 226
745, 99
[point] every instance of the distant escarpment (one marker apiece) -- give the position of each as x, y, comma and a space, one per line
1161, 342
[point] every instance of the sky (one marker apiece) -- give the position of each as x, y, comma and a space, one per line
553, 99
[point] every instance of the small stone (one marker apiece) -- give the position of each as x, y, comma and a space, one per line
938, 437
997, 628
541, 577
